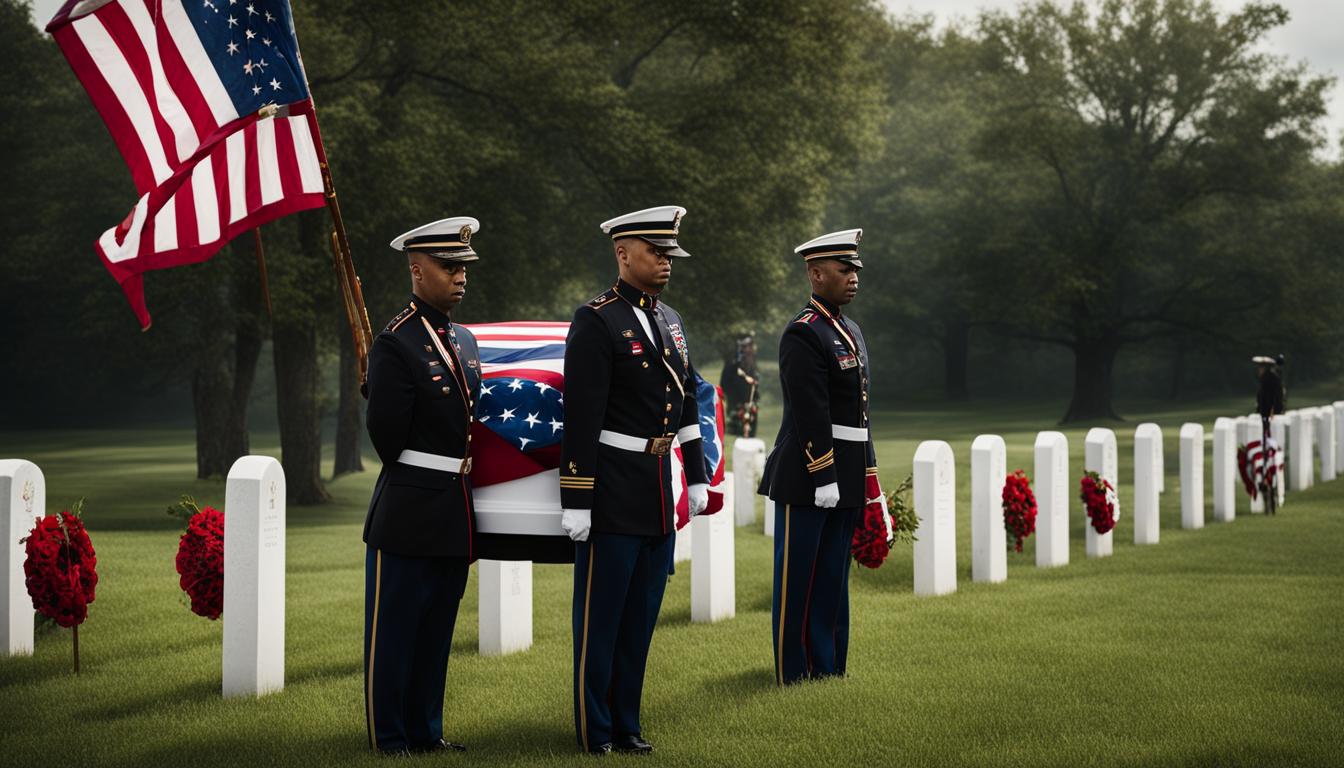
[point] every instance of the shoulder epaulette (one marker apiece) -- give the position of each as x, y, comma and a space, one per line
401, 317
603, 299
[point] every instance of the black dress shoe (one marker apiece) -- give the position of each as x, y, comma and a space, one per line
632, 743
443, 745
601, 750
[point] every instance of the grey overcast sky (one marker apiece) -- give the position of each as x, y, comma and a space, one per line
1314, 34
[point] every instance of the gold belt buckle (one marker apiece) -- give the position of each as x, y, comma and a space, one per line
466, 466
660, 446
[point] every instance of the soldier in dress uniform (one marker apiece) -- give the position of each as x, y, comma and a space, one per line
423, 383
629, 391
822, 471
739, 382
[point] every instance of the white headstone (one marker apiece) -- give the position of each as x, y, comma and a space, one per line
1192, 476
23, 492
1299, 452
254, 577
1146, 439
1325, 439
1161, 467
504, 617
935, 503
1278, 430
681, 544
769, 526
1339, 437
713, 574
1052, 500
1101, 456
1225, 478
989, 540
1309, 426
748, 457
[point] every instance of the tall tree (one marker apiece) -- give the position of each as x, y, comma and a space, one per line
1147, 114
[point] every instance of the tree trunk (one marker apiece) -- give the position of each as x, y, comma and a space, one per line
956, 359
212, 401
296, 380
350, 410
221, 384
1093, 361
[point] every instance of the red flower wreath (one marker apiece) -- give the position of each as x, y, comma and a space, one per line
870, 544
1019, 507
1097, 495
60, 569
200, 560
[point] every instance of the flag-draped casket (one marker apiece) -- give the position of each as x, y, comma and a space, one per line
516, 443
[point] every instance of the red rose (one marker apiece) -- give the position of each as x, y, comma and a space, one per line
200, 563
1019, 508
60, 568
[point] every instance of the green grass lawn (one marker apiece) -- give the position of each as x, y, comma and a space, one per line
1219, 646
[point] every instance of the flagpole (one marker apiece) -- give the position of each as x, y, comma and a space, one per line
261, 268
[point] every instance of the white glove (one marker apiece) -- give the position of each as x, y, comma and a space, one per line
576, 523
827, 496
697, 498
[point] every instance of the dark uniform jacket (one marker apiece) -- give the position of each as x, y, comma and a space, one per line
420, 401
823, 367
618, 379
1269, 399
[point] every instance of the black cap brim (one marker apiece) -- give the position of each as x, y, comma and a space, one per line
464, 256
667, 245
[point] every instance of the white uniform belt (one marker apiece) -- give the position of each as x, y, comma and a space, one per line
852, 434
658, 446
430, 461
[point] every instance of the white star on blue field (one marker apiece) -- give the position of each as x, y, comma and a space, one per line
528, 414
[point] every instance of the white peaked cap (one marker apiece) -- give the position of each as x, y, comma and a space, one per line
448, 239
658, 226
842, 245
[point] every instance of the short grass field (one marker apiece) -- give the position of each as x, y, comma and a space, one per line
1222, 646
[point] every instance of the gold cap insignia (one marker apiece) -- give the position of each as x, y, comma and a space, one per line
465, 234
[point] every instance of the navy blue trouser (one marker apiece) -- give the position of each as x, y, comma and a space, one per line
618, 589
810, 609
410, 607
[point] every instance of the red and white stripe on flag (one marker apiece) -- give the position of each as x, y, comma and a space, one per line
204, 173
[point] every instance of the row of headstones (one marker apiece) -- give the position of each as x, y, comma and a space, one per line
253, 648
1302, 433
254, 568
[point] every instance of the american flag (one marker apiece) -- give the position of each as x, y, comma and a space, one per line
208, 103
520, 421
1251, 463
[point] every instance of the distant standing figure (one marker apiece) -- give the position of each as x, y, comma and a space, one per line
741, 393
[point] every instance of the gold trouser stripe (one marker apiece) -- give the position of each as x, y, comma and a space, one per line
583, 654
373, 647
783, 601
